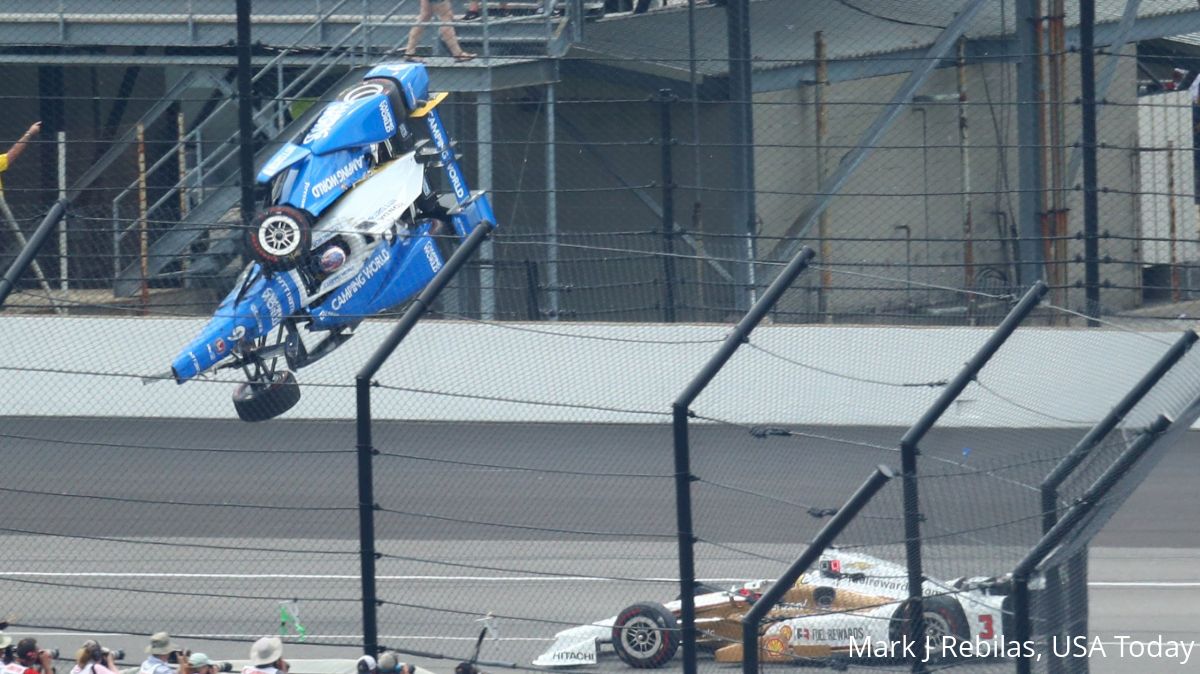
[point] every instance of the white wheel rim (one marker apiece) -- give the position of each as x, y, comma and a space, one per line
279, 235
642, 637
365, 90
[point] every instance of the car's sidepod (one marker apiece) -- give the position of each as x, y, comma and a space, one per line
390, 275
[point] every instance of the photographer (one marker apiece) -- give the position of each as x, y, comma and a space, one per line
266, 657
93, 658
29, 659
390, 664
162, 652
200, 663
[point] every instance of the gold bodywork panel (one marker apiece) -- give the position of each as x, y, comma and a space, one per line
721, 627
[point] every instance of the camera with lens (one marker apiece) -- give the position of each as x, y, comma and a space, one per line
100, 653
224, 666
175, 656
52, 651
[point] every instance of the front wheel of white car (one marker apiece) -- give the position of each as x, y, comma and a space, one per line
645, 636
280, 237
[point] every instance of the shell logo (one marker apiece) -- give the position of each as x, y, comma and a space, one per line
774, 645
785, 632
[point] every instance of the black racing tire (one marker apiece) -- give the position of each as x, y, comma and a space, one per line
941, 617
259, 401
280, 237
645, 636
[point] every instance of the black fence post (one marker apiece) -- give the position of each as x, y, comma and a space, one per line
366, 514
533, 310
30, 251
683, 474
910, 450
245, 110
666, 140
812, 553
1022, 623
366, 451
1091, 225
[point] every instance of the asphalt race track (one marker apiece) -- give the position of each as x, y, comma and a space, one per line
566, 523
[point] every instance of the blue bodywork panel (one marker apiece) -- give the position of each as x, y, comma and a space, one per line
412, 78
390, 276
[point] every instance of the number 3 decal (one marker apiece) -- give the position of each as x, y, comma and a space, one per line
989, 629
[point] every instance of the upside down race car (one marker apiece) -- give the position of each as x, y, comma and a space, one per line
350, 227
847, 607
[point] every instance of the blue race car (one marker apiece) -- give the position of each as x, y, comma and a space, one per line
351, 227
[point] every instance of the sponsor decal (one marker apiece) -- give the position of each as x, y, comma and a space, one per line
774, 645
195, 362
325, 122
291, 299
430, 254
456, 180
372, 267
388, 213
273, 306
830, 634
786, 632
338, 177
385, 111
451, 166
304, 195
254, 311
238, 333
219, 345
574, 655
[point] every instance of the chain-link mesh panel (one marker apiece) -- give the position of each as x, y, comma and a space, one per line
523, 463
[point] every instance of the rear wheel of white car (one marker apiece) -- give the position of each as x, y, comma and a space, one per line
262, 400
280, 237
942, 619
645, 636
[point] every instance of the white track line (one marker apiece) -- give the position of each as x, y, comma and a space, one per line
302, 576
490, 579
311, 637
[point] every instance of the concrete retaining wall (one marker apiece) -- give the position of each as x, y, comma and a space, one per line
601, 373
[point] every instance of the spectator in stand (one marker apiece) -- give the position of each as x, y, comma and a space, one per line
162, 653
29, 659
266, 657
17, 148
93, 658
445, 13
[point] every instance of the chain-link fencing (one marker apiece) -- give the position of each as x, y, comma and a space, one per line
522, 442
